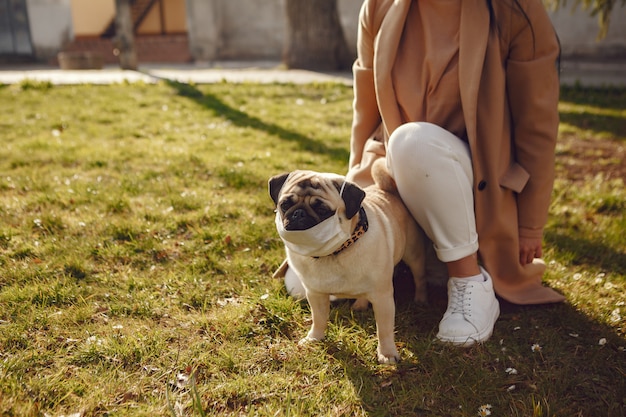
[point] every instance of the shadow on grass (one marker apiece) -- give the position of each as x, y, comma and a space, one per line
602, 98
241, 119
573, 374
614, 126
585, 251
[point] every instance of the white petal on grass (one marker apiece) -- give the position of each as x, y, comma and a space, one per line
484, 410
615, 316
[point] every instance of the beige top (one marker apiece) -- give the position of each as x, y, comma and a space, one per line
431, 34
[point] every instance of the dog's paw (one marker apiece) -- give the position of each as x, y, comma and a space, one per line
387, 355
388, 359
361, 304
308, 340
314, 335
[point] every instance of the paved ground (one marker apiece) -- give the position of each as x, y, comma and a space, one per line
263, 72
584, 73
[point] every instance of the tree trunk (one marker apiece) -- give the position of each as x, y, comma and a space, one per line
124, 38
315, 38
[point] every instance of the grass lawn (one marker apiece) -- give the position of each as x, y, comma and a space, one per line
137, 245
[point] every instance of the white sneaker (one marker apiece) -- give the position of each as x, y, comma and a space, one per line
472, 311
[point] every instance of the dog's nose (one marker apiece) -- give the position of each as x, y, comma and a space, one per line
298, 214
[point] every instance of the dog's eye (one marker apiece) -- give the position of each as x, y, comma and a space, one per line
285, 205
321, 208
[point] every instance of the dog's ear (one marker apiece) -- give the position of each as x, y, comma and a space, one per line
275, 184
352, 196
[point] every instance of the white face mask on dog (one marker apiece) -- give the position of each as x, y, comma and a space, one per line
320, 240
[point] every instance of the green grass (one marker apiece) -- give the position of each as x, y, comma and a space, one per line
137, 246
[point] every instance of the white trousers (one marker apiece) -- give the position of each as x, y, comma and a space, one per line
433, 171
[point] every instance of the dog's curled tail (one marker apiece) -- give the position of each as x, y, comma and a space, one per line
382, 177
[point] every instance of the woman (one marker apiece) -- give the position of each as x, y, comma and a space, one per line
460, 97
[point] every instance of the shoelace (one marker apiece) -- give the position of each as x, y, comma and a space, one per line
460, 298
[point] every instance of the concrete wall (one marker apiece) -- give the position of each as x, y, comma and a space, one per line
255, 29
249, 29
578, 31
50, 26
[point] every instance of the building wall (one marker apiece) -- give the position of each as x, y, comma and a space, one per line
250, 29
175, 19
578, 34
50, 26
255, 29
91, 18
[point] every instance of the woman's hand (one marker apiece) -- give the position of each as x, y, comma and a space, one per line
529, 249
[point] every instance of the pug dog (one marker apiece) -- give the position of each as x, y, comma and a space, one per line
344, 241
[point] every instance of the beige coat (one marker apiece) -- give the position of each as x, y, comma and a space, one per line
509, 93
